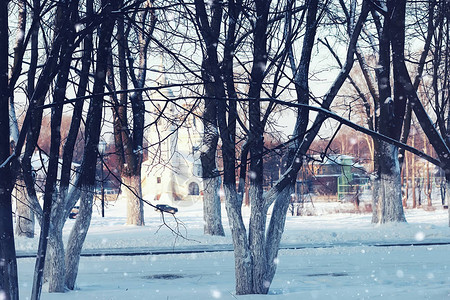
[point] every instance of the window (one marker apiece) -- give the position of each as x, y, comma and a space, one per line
198, 170
194, 189
158, 179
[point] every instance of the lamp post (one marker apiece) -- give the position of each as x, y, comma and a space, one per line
101, 150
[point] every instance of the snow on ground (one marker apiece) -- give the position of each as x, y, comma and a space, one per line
346, 265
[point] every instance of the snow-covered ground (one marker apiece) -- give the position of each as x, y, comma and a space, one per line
339, 258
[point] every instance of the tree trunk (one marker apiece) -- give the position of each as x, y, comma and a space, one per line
242, 255
402, 184
258, 216
211, 179
302, 91
54, 264
132, 192
82, 222
428, 183
413, 177
406, 178
51, 247
55, 268
128, 135
77, 237
212, 215
8, 267
256, 232
24, 212
392, 110
26, 171
89, 163
61, 43
447, 195
390, 198
275, 230
376, 183
376, 199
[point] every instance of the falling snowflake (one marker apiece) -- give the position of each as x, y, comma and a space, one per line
420, 236
216, 294
261, 66
78, 27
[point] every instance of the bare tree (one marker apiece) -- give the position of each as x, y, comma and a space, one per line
8, 268
387, 203
24, 213
129, 112
210, 174
389, 101
57, 200
53, 213
87, 182
79, 231
256, 250
437, 70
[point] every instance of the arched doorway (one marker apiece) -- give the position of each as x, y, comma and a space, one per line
194, 189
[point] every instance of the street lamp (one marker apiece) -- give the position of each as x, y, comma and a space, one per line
101, 150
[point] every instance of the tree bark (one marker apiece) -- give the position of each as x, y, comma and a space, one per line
27, 172
392, 111
133, 193
54, 264
77, 237
407, 171
390, 200
8, 267
90, 155
79, 231
447, 195
61, 51
211, 179
413, 177
129, 138
428, 184
227, 132
276, 229
242, 256
24, 211
212, 215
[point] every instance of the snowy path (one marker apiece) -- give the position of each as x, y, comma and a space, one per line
340, 258
359, 272
130, 251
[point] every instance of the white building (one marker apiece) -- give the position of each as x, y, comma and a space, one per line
172, 171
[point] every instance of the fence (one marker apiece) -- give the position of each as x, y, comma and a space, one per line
347, 190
